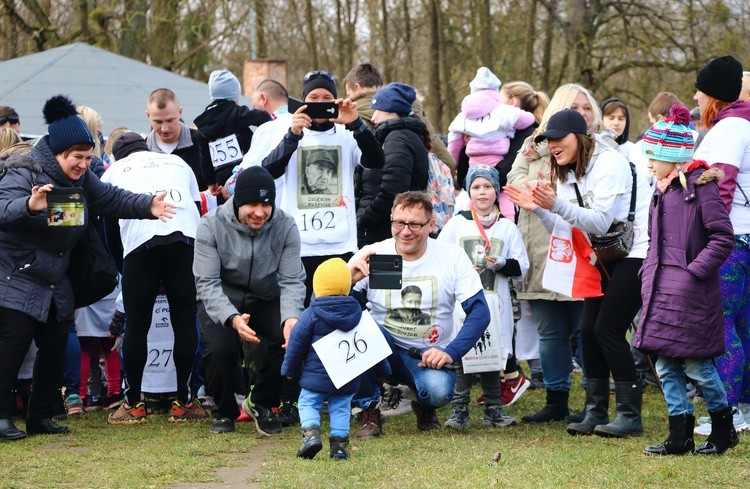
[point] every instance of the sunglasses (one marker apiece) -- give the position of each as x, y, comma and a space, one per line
311, 75
13, 119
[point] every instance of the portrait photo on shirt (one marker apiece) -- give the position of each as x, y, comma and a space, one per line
319, 176
475, 249
409, 311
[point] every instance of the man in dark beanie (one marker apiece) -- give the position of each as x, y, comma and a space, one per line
250, 284
326, 216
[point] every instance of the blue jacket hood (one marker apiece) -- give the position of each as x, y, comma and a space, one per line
340, 312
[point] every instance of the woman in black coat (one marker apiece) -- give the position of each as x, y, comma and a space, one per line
36, 297
405, 141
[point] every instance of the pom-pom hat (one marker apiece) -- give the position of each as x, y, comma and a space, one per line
65, 129
332, 277
670, 140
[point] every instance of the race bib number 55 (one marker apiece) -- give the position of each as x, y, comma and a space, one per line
224, 151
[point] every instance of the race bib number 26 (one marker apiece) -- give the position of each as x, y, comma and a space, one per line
345, 355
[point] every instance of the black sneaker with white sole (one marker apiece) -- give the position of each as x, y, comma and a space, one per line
266, 421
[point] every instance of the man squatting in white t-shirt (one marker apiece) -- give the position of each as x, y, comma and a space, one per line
445, 275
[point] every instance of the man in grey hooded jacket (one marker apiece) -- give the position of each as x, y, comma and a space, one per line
251, 286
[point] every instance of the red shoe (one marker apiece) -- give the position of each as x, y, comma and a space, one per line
511, 389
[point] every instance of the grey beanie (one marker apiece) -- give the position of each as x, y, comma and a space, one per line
223, 85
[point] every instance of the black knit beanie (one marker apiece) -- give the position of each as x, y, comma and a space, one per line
318, 79
127, 144
721, 78
254, 185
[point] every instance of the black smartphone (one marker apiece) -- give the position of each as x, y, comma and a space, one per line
386, 271
316, 110
322, 110
294, 104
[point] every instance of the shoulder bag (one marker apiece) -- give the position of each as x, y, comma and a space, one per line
618, 240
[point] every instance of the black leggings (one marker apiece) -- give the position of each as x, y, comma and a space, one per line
606, 321
16, 333
143, 272
224, 350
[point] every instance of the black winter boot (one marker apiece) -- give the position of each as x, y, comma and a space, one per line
723, 435
629, 396
338, 447
555, 410
678, 442
597, 404
8, 431
311, 443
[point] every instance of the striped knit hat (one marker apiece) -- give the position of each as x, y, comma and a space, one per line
670, 140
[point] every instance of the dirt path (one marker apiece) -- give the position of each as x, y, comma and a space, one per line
243, 470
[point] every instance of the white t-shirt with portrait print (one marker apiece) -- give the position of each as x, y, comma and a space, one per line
327, 221
505, 241
728, 142
444, 276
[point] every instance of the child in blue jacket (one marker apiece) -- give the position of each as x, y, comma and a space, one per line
331, 309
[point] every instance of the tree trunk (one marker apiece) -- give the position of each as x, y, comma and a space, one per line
436, 98
385, 42
409, 42
261, 48
134, 29
530, 41
487, 55
165, 20
311, 40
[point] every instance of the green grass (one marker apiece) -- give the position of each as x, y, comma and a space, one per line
160, 455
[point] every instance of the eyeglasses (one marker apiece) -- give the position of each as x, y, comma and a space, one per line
413, 226
13, 119
311, 75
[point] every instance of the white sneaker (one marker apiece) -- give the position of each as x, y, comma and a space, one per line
704, 423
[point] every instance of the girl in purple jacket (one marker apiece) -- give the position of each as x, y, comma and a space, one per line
682, 318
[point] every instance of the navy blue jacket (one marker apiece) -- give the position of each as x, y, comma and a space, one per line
325, 315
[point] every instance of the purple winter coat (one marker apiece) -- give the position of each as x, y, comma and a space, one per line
690, 238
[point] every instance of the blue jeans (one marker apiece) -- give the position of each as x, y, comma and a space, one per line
433, 387
557, 322
672, 372
339, 410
